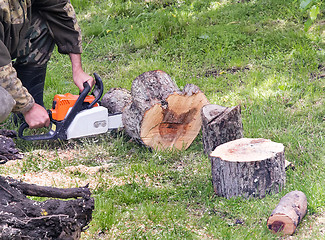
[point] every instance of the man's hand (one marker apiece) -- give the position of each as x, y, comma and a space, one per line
79, 76
37, 117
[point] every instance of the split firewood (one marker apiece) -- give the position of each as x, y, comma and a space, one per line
23, 218
220, 125
248, 167
161, 116
288, 213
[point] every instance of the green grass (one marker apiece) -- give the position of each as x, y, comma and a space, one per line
253, 53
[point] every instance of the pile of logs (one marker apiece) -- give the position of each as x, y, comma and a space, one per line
23, 218
160, 116
156, 113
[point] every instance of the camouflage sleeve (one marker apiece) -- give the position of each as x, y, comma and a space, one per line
10, 82
62, 21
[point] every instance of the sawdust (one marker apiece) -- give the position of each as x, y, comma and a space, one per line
71, 175
66, 177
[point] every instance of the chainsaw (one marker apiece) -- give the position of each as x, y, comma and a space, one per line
76, 116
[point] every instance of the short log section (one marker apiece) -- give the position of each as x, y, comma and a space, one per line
160, 115
116, 99
248, 167
288, 213
220, 125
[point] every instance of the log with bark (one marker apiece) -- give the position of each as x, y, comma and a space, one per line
220, 125
248, 167
23, 218
116, 99
288, 213
160, 115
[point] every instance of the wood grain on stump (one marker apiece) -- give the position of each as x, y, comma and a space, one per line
248, 167
220, 125
160, 115
288, 213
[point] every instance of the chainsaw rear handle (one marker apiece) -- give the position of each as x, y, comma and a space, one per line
59, 129
47, 136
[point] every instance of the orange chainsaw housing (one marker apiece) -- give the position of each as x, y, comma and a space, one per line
63, 102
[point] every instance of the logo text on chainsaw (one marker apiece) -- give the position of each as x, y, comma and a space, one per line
98, 124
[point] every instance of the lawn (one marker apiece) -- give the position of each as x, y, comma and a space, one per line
253, 53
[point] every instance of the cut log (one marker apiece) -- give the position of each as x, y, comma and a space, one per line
220, 125
248, 167
23, 218
288, 213
116, 99
160, 115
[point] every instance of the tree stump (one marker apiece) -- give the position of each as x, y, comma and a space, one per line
23, 218
248, 167
160, 115
220, 125
288, 213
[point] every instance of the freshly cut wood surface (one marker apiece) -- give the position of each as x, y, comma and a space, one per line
248, 150
248, 167
175, 126
288, 213
160, 115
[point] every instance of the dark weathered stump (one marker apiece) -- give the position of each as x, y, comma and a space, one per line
248, 167
220, 125
288, 213
160, 115
23, 218
8, 150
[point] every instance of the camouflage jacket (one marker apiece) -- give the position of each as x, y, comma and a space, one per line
15, 17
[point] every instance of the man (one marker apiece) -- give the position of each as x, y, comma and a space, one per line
29, 30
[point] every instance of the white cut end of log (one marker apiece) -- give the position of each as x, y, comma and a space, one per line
247, 150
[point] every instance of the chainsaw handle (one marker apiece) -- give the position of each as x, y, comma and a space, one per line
98, 90
47, 136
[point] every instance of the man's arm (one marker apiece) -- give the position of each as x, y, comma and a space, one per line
79, 76
61, 19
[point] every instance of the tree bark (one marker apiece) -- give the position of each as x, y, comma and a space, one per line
220, 125
248, 167
116, 99
288, 213
23, 218
160, 115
